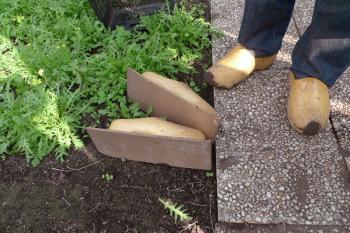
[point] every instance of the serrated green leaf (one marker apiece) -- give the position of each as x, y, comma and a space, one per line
54, 80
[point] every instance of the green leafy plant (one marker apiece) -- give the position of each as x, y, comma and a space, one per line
107, 177
209, 174
61, 70
177, 212
195, 87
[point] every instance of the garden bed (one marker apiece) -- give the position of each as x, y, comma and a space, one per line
56, 198
72, 196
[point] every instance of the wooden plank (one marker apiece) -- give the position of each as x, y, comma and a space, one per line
177, 152
167, 104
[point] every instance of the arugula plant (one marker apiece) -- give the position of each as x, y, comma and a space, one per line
61, 70
176, 211
107, 177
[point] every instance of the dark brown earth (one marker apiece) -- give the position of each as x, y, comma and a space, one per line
73, 197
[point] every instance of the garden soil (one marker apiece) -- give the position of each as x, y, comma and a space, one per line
73, 197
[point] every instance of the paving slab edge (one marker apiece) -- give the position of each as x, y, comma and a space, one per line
222, 227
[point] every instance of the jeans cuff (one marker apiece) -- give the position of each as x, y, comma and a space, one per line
258, 53
301, 75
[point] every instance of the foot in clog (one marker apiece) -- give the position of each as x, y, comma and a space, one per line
235, 67
308, 104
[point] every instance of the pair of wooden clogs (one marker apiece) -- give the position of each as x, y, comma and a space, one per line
180, 132
308, 103
179, 111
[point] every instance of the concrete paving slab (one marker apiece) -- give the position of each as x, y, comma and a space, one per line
302, 14
266, 172
229, 18
280, 228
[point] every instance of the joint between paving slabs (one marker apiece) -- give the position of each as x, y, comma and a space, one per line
344, 153
296, 26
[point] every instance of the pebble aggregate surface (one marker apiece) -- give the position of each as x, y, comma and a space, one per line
224, 228
266, 172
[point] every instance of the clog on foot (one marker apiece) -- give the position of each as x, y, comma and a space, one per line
308, 104
235, 67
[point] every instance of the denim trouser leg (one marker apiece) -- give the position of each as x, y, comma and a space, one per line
264, 25
324, 49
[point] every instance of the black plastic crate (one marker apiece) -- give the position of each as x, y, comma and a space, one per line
125, 12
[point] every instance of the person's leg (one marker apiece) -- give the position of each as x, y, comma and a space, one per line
323, 51
319, 58
263, 27
264, 24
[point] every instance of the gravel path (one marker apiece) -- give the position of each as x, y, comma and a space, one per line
267, 173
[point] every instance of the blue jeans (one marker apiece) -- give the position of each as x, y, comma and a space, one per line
322, 52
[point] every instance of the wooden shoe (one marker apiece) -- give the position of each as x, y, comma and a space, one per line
308, 104
235, 67
155, 126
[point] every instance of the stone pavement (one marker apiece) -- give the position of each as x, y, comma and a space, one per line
280, 228
266, 172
